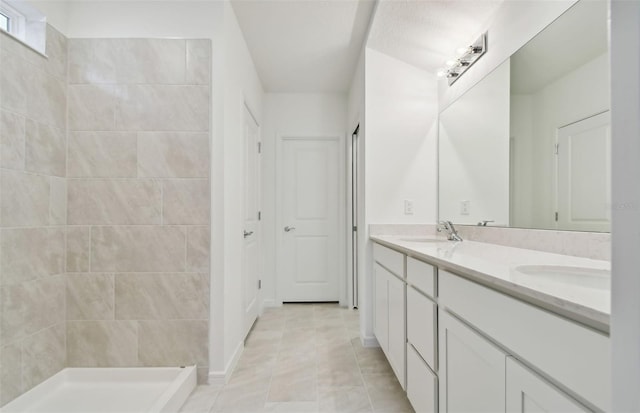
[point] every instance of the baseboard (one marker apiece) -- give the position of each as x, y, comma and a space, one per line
271, 303
220, 378
370, 341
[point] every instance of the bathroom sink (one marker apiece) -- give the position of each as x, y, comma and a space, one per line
420, 239
580, 276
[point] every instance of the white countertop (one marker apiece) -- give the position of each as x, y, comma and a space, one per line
586, 300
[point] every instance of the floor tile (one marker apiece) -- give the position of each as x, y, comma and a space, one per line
305, 358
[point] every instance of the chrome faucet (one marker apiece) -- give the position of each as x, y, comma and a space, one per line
447, 226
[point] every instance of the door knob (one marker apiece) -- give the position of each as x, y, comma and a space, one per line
247, 233
289, 229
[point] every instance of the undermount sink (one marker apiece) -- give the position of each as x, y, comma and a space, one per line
419, 239
581, 276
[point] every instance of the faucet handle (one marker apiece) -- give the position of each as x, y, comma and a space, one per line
484, 223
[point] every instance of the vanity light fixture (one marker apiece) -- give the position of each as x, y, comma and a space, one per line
467, 57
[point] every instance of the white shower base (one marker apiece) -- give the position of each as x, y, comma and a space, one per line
112, 390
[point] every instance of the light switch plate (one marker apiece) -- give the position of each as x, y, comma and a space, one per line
408, 207
465, 206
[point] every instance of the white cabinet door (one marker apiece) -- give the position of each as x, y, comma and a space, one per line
397, 332
472, 370
421, 326
527, 392
381, 306
422, 384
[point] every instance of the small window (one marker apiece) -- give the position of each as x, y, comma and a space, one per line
24, 22
12, 20
4, 22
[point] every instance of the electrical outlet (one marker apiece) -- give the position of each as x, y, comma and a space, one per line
408, 207
465, 207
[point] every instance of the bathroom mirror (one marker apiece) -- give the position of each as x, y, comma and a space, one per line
529, 145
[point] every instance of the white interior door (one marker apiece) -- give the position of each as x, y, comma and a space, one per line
251, 259
310, 247
584, 175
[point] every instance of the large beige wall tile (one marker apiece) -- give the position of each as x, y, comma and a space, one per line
14, 78
163, 107
92, 61
78, 249
127, 61
198, 242
162, 296
10, 372
56, 52
30, 253
102, 343
186, 202
199, 61
102, 154
47, 99
138, 249
92, 107
46, 149
173, 342
31, 306
90, 296
25, 199
43, 355
12, 139
58, 201
173, 154
113, 202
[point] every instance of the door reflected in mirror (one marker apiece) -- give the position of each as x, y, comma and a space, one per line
542, 159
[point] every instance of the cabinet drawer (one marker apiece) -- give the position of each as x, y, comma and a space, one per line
422, 276
422, 384
422, 326
390, 259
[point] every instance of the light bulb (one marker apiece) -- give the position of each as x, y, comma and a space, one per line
461, 51
451, 63
441, 73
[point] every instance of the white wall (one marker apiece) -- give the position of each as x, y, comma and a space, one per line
401, 113
625, 106
474, 153
400, 156
235, 83
290, 114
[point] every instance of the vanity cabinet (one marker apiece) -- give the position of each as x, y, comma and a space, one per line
527, 392
389, 318
457, 345
472, 376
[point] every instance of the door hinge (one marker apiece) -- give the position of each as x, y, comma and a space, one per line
259, 215
556, 217
556, 147
259, 147
259, 284
355, 229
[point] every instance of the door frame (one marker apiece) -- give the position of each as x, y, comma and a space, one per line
342, 210
353, 212
248, 111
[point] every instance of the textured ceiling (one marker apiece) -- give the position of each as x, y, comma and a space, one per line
304, 45
426, 33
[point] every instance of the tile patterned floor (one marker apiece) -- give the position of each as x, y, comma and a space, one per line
305, 358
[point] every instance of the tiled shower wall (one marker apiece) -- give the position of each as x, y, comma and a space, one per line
138, 202
33, 140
